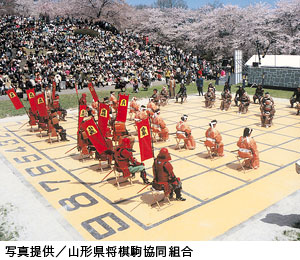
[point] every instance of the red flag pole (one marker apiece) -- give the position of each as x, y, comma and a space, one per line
151, 136
144, 188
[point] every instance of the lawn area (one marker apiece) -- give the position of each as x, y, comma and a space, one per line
70, 100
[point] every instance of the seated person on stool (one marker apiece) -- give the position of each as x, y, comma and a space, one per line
184, 132
164, 96
214, 139
164, 177
113, 101
226, 100
238, 95
296, 97
55, 122
210, 98
156, 97
126, 163
244, 103
159, 126
267, 113
181, 93
151, 107
142, 114
298, 108
248, 149
134, 107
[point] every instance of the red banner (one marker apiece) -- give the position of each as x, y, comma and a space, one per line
144, 133
32, 100
122, 108
103, 117
82, 111
53, 90
94, 135
41, 105
93, 92
14, 98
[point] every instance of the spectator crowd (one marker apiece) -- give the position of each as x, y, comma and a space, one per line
35, 51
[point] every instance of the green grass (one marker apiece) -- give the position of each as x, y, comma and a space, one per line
8, 231
70, 100
292, 235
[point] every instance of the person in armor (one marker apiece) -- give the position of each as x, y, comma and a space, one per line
82, 100
164, 177
126, 163
151, 107
181, 93
248, 149
211, 87
266, 97
295, 97
159, 126
84, 145
210, 98
48, 96
163, 96
259, 92
227, 86
184, 132
267, 113
172, 86
155, 96
298, 108
134, 107
142, 114
244, 103
120, 132
56, 106
113, 101
238, 95
226, 100
214, 139
55, 123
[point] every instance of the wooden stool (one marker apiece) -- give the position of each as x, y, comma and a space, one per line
241, 161
178, 140
119, 174
209, 152
155, 194
154, 135
53, 133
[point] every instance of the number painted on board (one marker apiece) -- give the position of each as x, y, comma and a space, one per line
41, 170
45, 185
76, 205
7, 142
100, 220
6, 135
19, 149
26, 158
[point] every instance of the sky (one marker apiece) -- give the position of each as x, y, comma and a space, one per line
200, 3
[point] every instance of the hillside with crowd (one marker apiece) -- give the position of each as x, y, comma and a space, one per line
35, 51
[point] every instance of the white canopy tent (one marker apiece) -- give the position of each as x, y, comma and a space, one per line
283, 61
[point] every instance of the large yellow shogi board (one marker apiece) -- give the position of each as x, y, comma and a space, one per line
219, 196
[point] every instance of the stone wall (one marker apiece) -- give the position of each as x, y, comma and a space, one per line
277, 77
